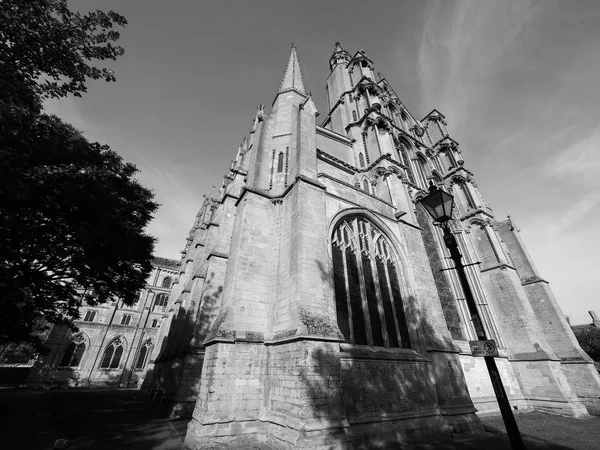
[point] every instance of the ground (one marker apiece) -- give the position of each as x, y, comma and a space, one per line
125, 419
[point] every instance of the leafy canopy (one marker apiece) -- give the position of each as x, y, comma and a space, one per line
49, 46
589, 340
72, 214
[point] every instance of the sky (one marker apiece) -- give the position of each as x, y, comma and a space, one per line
517, 82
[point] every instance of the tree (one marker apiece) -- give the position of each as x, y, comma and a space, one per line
589, 340
48, 47
72, 214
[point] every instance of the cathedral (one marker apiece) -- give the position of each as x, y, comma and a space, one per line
315, 305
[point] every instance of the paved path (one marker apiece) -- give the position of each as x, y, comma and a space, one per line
124, 419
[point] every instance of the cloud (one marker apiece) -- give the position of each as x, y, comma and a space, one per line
464, 46
581, 161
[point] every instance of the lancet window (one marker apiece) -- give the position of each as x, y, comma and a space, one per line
166, 283
74, 352
366, 186
112, 355
405, 160
369, 305
280, 162
422, 170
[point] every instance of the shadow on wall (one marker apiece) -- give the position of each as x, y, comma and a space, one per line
185, 336
375, 383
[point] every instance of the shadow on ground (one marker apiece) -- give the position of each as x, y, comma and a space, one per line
88, 419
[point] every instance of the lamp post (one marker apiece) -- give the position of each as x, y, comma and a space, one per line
439, 206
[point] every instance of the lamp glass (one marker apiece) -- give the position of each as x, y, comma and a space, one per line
439, 205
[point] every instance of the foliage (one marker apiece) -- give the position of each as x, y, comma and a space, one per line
48, 47
72, 214
589, 339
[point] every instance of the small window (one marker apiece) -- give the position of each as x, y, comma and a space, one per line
366, 186
160, 304
125, 319
361, 160
167, 282
112, 355
354, 117
89, 316
280, 162
73, 354
154, 323
351, 98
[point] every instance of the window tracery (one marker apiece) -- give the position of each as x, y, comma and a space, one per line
367, 291
74, 352
112, 354
160, 304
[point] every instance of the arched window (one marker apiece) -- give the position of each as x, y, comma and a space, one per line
403, 152
160, 304
422, 169
143, 355
405, 121
112, 354
154, 323
280, 162
361, 160
367, 289
167, 282
354, 117
366, 186
464, 196
74, 352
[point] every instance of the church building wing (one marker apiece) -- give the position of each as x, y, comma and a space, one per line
315, 304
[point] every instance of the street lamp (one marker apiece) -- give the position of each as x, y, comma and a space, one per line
439, 206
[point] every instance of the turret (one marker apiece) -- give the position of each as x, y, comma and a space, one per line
283, 142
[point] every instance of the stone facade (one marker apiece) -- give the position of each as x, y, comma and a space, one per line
115, 343
313, 308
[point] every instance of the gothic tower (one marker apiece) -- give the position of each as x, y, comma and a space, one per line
314, 307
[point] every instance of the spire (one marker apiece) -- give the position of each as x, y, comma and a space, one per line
292, 76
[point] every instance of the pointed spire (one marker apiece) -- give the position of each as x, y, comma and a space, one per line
292, 76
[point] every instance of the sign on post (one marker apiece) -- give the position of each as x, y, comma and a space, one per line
484, 348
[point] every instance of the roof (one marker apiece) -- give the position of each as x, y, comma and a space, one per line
165, 262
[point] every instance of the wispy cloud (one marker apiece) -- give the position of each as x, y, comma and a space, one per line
579, 162
462, 46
